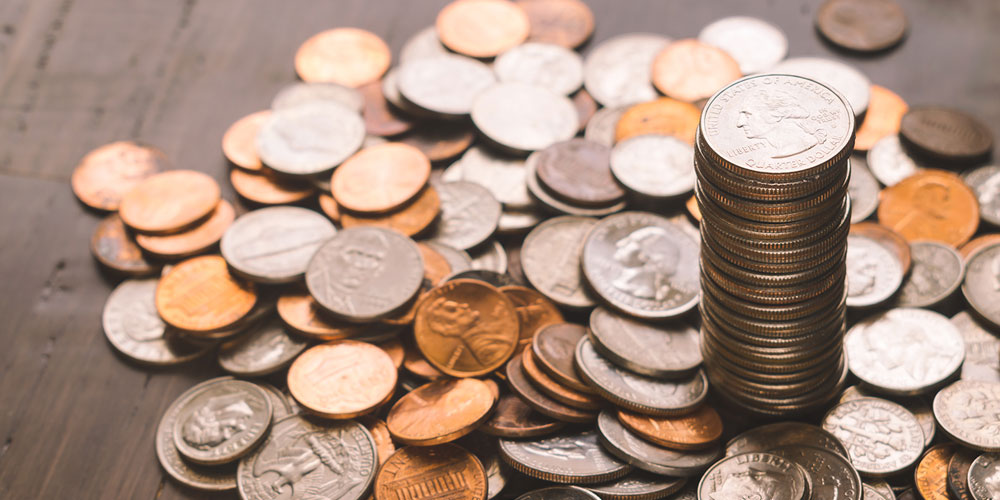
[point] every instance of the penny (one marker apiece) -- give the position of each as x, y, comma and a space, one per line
885, 111
436, 265
863, 189
503, 175
655, 166
862, 25
420, 472
665, 350
773, 435
889, 162
931, 474
874, 272
346, 450
380, 119
306, 93
982, 348
695, 431
107, 173
523, 118
585, 106
550, 257
622, 443
883, 438
754, 43
553, 388
415, 363
969, 248
754, 474
567, 23
829, 475
342, 379
642, 264
466, 328
540, 402
440, 411
966, 410
239, 143
445, 85
484, 275
349, 56
946, 134
169, 201
553, 347
636, 392
602, 127
549, 66
220, 422
514, 419
134, 328
441, 142
664, 116
199, 295
931, 205
192, 241
958, 473
692, 208
534, 312
561, 492
267, 190
564, 458
485, 449
915, 404
116, 249
482, 28
469, 215
936, 274
411, 219
689, 70
578, 171
262, 350
309, 140
301, 313
490, 256
984, 477
639, 485
850, 82
423, 44
617, 72
985, 182
275, 245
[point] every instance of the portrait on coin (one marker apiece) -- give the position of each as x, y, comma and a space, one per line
478, 336
219, 419
776, 117
312, 463
360, 260
648, 260
756, 484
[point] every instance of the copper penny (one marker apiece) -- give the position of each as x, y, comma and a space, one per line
579, 172
885, 112
930, 205
440, 411
435, 472
693, 431
568, 23
413, 218
663, 116
514, 419
466, 328
329, 207
482, 28
689, 70
380, 119
554, 389
301, 313
887, 238
239, 143
394, 348
342, 379
349, 56
585, 105
380, 178
967, 249
169, 202
193, 241
523, 387
115, 248
265, 189
105, 174
931, 475
436, 267
554, 347
534, 311
417, 364
862, 25
380, 432
408, 313
440, 141
199, 295
692, 208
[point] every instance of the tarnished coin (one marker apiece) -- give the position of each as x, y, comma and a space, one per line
769, 436
423, 472
469, 215
115, 248
755, 44
564, 458
107, 173
380, 178
882, 437
193, 241
275, 245
664, 116
534, 312
443, 141
863, 189
885, 111
642, 264
931, 205
762, 475
936, 274
850, 82
503, 175
958, 473
617, 72
524, 118
560, 492
555, 205
519, 383
981, 287
579, 172
695, 431
862, 25
545, 65
307, 93
984, 477
568, 23
985, 182
874, 273
199, 295
486, 450
514, 419
331, 460
423, 44
550, 257
445, 85
342, 379
945, 134
931, 474
365, 273
661, 350
309, 140
220, 422
603, 125
411, 219
482, 28
625, 445
380, 118
239, 143
349, 56
169, 202
916, 404
689, 70
553, 347
264, 189
982, 348
440, 411
466, 328
639, 485
889, 162
829, 475
635, 392
654, 166
263, 349
967, 411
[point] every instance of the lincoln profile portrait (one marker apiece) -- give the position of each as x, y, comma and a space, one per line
648, 260
483, 341
776, 117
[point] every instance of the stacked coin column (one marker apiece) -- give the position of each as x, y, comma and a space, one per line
772, 166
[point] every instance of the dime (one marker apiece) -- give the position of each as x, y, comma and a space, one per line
309, 140
980, 285
466, 328
427, 472
563, 458
262, 350
306, 93
874, 273
199, 295
107, 173
445, 85
192, 241
342, 379
503, 175
850, 82
264, 189
441, 142
655, 166
568, 23
275, 245
695, 431
885, 111
220, 422
617, 72
864, 190
555, 205
553, 347
602, 127
887, 238
755, 44
665, 350
985, 182
541, 403
412, 219
545, 65
578, 172
958, 473
967, 411
380, 118
550, 257
769, 436
469, 215
169, 202
485, 449
482, 28
346, 450
423, 44
639, 485
984, 477
490, 257
239, 142
915, 404
349, 56
115, 248
878, 490
861, 25
440, 411
829, 475
883, 438
945, 134
936, 273
625, 445
982, 349
931, 474
931, 205
643, 265
380, 178
514, 419
973, 245
664, 116
889, 162
524, 118
754, 474
689, 70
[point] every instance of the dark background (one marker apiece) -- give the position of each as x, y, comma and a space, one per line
76, 420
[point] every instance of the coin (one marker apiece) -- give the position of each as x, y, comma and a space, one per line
545, 65
973, 245
301, 313
985, 182
602, 127
555, 273
441, 142
850, 82
622, 443
116, 249
503, 175
883, 438
349, 56
885, 111
553, 204
966, 411
380, 178
445, 85
411, 219
574, 457
864, 190
490, 257
664, 116
380, 118
107, 173
427, 472
585, 106
766, 475
306, 93
342, 379
263, 349
982, 349
639, 485
309, 140
984, 477
945, 134
192, 241
458, 260
440, 411
485, 449
561, 492
617, 72
239, 142
524, 118
578, 171
275, 245
538, 401
568, 23
436, 265
979, 287
769, 436
874, 273
829, 475
553, 388
415, 363
889, 162
931, 474
553, 347
469, 215
887, 238
695, 431
534, 312
266, 190
654, 166
755, 44
666, 350
244, 407
931, 205
936, 273
878, 490
958, 473
689, 70
199, 295
169, 201
915, 404
514, 419
423, 44
482, 28
862, 25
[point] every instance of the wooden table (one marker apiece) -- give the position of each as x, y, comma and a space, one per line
76, 419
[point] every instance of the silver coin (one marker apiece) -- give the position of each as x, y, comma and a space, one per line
262, 350
657, 166
915, 404
218, 423
969, 412
304, 459
863, 189
306, 93
559, 493
641, 454
490, 256
545, 65
502, 175
843, 78
769, 436
518, 221
639, 484
566, 454
874, 273
601, 127
883, 438
889, 162
935, 274
485, 449
486, 276
135, 329
523, 118
423, 44
643, 265
661, 350
753, 475
365, 273
309, 140
982, 283
469, 215
446, 85
755, 44
618, 71
878, 487
904, 351
638, 393
985, 182
390, 90
275, 244
458, 260
982, 349
869, 492
830, 476
553, 204
550, 259
195, 476
984, 477
281, 407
